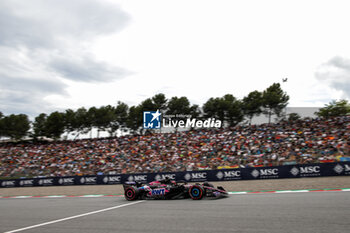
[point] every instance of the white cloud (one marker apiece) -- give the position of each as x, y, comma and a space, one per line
43, 42
336, 73
92, 52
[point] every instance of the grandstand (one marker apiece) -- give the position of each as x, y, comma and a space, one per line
298, 142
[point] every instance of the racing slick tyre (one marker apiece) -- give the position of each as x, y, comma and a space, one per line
131, 193
196, 192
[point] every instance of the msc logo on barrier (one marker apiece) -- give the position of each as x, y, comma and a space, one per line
310, 171
112, 179
151, 120
339, 169
265, 173
229, 175
26, 183
163, 176
196, 176
306, 171
8, 183
294, 171
88, 180
66, 181
45, 182
137, 178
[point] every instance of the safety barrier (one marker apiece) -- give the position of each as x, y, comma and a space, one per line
254, 173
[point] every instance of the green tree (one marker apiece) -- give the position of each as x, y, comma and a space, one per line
227, 109
233, 110
91, 117
214, 108
195, 111
274, 100
334, 109
178, 106
120, 120
252, 105
15, 126
104, 116
160, 102
70, 121
39, 125
82, 121
54, 125
147, 105
293, 116
135, 119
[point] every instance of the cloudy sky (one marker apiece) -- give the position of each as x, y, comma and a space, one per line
59, 54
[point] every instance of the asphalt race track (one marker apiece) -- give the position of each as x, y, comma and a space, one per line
270, 212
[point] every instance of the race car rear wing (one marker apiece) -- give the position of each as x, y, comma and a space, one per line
132, 183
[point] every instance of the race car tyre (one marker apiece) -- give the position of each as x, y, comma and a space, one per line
196, 192
131, 193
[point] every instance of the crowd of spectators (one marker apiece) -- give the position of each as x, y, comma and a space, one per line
302, 141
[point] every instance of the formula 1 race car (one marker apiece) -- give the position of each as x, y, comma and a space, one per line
168, 189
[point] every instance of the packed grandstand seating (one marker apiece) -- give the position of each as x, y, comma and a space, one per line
284, 143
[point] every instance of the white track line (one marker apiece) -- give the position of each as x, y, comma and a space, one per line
72, 217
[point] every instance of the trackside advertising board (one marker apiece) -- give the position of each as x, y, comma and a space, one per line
253, 173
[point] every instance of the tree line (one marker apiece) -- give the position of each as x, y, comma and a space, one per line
230, 110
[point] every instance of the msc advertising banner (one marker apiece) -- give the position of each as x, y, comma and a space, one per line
253, 173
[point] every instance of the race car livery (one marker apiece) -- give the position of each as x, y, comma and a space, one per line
167, 189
